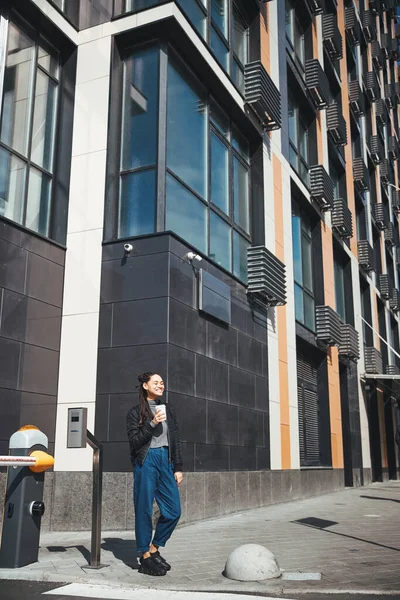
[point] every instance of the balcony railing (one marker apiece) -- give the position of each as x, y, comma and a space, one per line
342, 220
366, 256
336, 124
262, 95
321, 187
317, 83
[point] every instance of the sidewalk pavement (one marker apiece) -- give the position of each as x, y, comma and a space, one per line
351, 537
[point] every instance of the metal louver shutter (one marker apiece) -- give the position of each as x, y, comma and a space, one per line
308, 411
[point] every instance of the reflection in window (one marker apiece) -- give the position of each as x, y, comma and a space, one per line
295, 34
186, 214
28, 125
340, 290
298, 140
303, 268
207, 168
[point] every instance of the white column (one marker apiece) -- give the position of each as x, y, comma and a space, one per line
80, 318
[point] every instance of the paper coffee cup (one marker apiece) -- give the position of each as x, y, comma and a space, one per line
163, 408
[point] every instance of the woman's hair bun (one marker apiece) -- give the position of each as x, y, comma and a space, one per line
144, 377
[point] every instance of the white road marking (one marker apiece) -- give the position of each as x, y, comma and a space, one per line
106, 592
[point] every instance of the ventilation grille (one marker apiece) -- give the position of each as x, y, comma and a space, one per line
372, 86
393, 147
262, 95
376, 52
321, 187
328, 325
390, 235
389, 95
336, 124
316, 7
369, 25
342, 220
380, 216
357, 100
266, 277
373, 361
380, 111
317, 83
360, 173
396, 200
384, 171
376, 148
352, 25
385, 286
349, 342
394, 300
366, 256
331, 36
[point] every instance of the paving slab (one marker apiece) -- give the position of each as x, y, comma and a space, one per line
352, 538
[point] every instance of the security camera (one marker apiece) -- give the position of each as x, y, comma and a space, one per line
128, 248
192, 256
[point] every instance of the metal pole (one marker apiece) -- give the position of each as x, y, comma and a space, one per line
96, 501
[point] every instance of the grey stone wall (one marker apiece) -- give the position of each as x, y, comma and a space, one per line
203, 495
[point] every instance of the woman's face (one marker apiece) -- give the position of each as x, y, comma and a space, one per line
154, 387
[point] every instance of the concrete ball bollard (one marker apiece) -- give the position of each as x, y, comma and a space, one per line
251, 562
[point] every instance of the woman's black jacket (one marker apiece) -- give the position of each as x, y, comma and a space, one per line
140, 437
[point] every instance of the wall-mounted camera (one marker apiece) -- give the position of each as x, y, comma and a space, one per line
191, 256
128, 248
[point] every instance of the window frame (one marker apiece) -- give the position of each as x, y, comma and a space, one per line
168, 53
299, 212
39, 40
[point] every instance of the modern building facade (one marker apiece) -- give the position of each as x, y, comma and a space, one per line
140, 136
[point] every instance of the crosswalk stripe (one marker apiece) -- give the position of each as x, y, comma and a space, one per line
106, 592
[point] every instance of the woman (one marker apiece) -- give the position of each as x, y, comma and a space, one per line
156, 456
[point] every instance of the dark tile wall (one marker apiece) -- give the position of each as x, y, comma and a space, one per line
31, 288
216, 376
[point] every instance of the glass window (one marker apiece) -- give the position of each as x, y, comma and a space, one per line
219, 48
195, 14
219, 14
137, 203
298, 141
186, 131
220, 242
207, 172
219, 165
186, 214
340, 290
27, 131
295, 35
241, 195
139, 145
303, 268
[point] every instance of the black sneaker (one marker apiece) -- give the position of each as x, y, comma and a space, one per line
156, 556
148, 566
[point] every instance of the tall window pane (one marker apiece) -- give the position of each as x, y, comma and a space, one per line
48, 60
340, 291
44, 121
139, 147
298, 303
220, 241
186, 132
241, 195
296, 238
195, 15
219, 14
239, 36
38, 203
309, 312
220, 49
307, 263
219, 174
137, 203
240, 245
186, 214
12, 186
17, 91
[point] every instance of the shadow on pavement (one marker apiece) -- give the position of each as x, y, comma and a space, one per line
124, 550
309, 522
380, 498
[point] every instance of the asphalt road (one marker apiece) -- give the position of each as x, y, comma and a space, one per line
26, 590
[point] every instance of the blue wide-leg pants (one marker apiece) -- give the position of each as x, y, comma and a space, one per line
155, 480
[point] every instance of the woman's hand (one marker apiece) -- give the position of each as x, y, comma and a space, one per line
159, 417
178, 477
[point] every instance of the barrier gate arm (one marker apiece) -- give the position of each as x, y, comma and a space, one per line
38, 461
